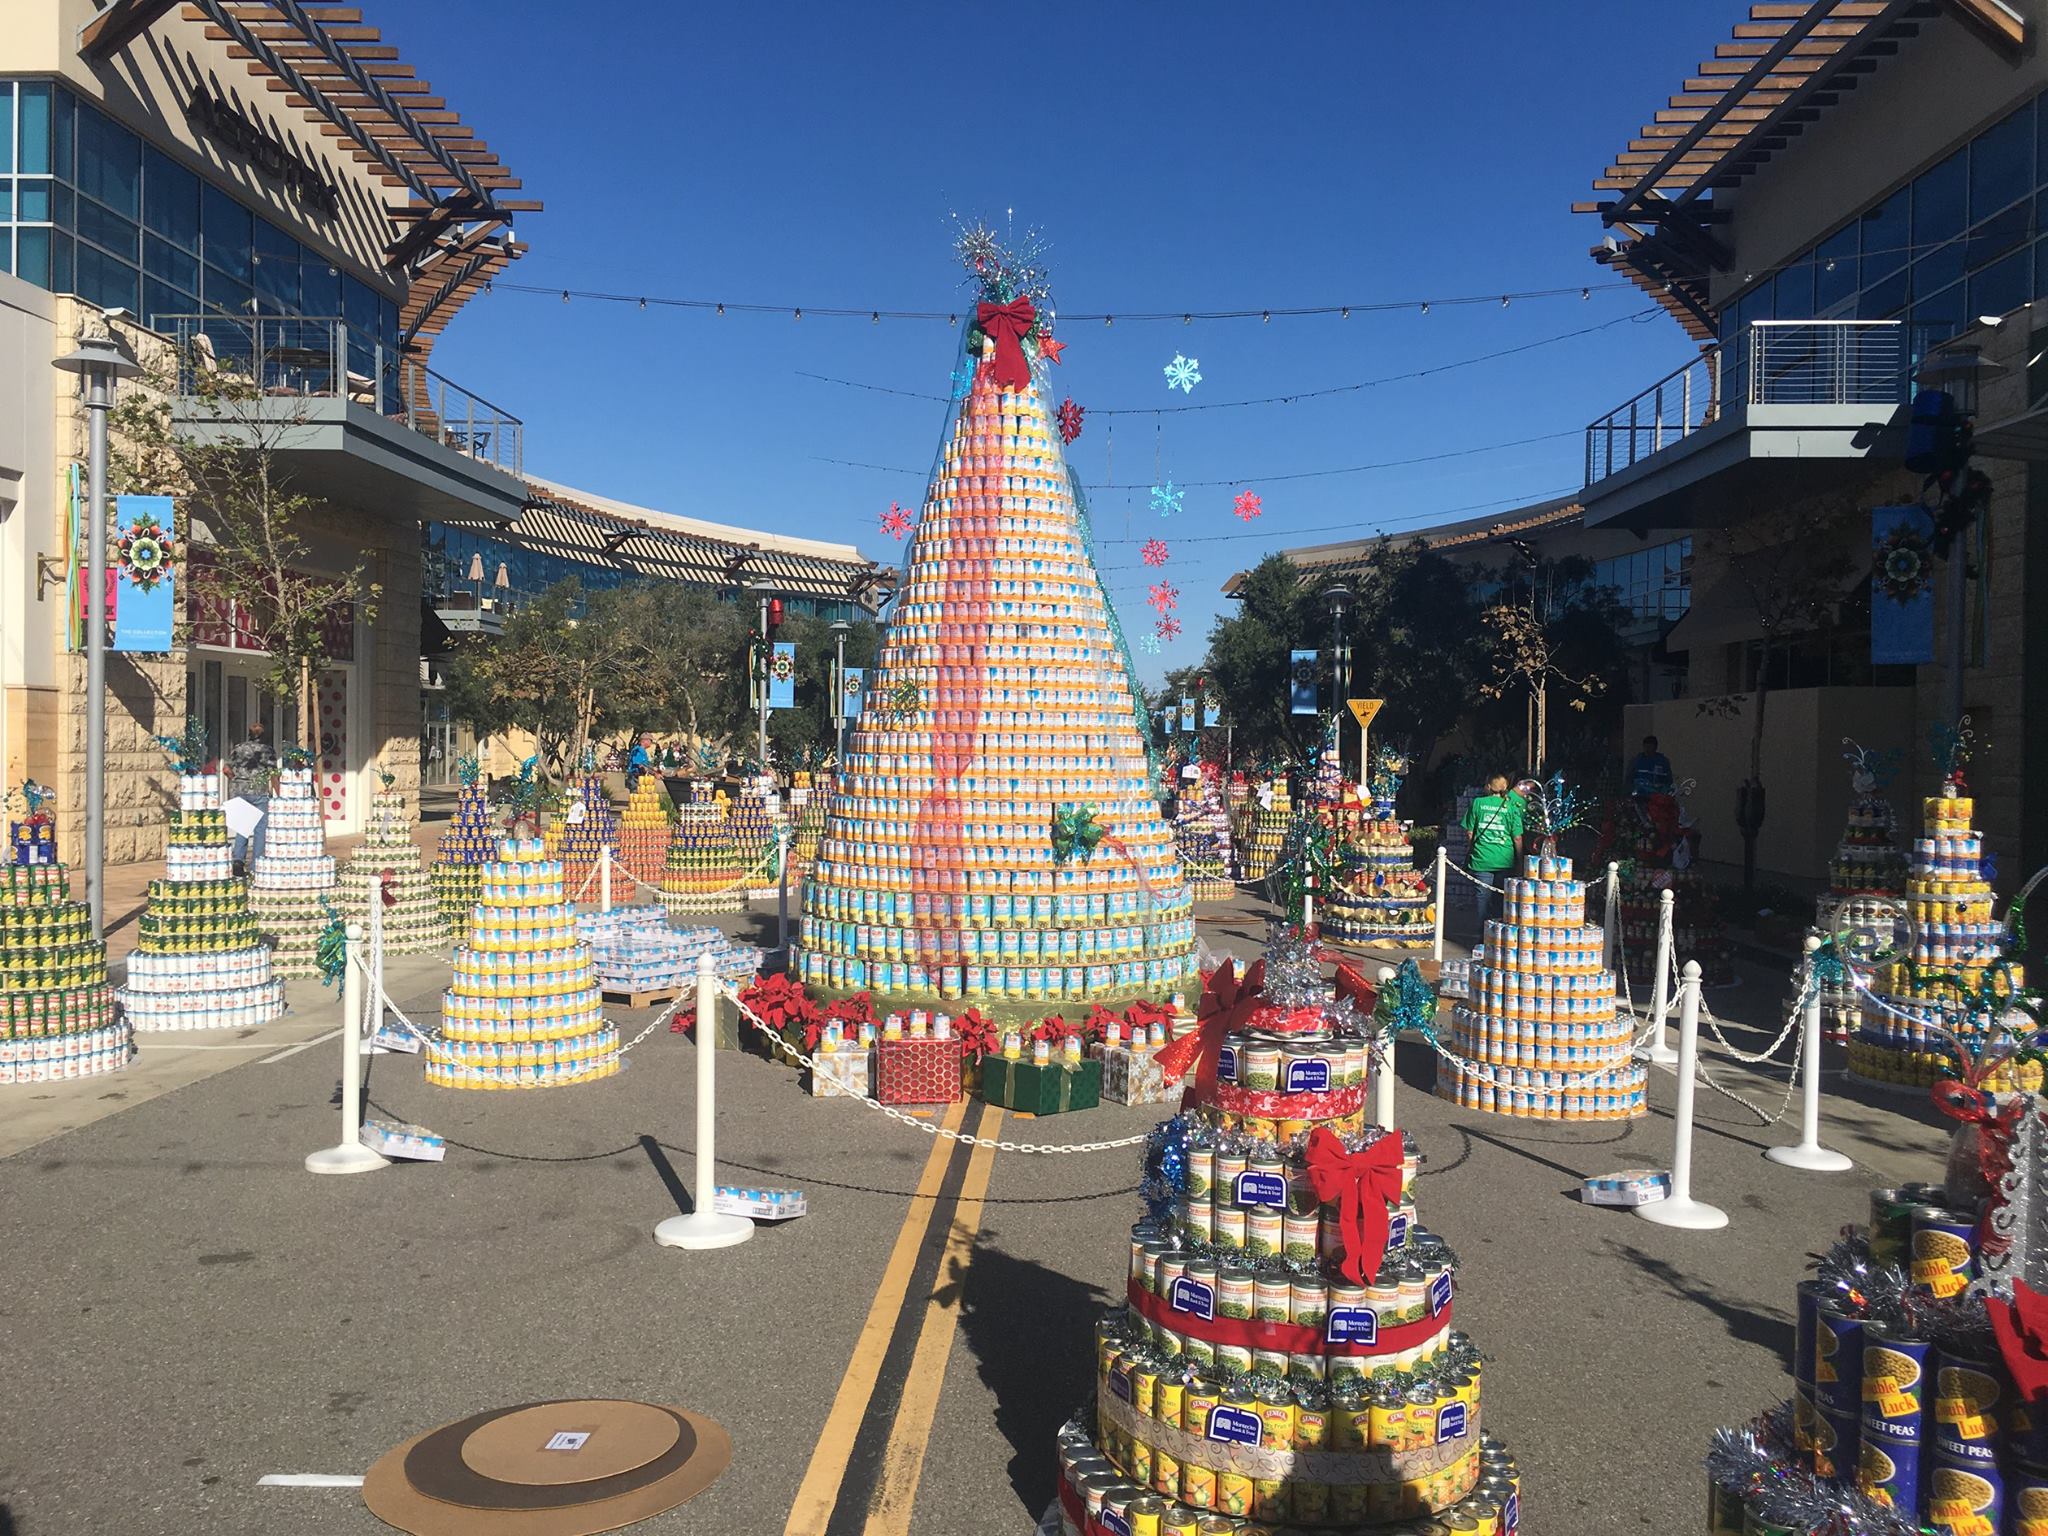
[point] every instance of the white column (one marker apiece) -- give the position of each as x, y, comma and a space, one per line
1383, 1071
704, 1227
1661, 1052
1436, 948
350, 1155
1809, 1153
1680, 1209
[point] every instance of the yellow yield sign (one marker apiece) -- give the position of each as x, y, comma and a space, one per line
1364, 709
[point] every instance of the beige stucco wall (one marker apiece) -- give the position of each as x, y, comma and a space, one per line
31, 524
147, 86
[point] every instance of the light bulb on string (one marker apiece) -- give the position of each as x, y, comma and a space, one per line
565, 295
1425, 306
721, 309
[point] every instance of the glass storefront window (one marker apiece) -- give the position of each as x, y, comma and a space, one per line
105, 281
110, 164
1834, 276
225, 233
32, 255
117, 235
276, 270
170, 201
6, 126
2002, 163
35, 127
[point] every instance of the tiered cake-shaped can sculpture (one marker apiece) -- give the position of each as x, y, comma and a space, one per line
199, 962
57, 1014
1657, 847
1286, 1358
1380, 900
1272, 813
642, 846
1958, 943
702, 873
808, 798
1201, 825
291, 882
576, 841
523, 1009
1539, 1035
1866, 885
753, 828
995, 834
386, 867
470, 843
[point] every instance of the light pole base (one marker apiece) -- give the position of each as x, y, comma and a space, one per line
703, 1229
1814, 1158
346, 1159
1693, 1215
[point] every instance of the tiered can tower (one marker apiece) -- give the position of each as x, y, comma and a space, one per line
1381, 900
1539, 1036
1655, 848
292, 883
57, 1014
466, 847
388, 858
703, 873
1866, 883
1201, 827
807, 802
753, 828
1002, 703
1272, 813
199, 962
576, 843
1286, 1357
642, 846
523, 1010
1957, 937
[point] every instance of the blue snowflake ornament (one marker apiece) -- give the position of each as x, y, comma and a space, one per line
963, 381
1166, 499
1150, 642
1183, 373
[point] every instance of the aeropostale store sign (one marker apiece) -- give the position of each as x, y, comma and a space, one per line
226, 125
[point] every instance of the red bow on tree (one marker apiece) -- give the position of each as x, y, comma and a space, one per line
1009, 324
1363, 994
2021, 1327
387, 887
1227, 1004
1361, 1185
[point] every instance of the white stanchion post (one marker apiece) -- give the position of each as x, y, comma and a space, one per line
704, 1227
1661, 1052
1680, 1209
376, 1008
1436, 947
1809, 1153
1610, 916
1383, 1072
604, 877
782, 889
350, 1155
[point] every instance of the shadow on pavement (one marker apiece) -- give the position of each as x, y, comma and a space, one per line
1036, 1375
1749, 1325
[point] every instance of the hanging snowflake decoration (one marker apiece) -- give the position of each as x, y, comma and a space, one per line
1070, 416
895, 521
1153, 552
1150, 642
963, 381
1166, 499
1164, 596
1168, 628
1247, 506
1183, 374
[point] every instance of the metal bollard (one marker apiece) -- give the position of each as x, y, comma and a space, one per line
1809, 1153
1680, 1209
1661, 1053
604, 877
350, 1155
1436, 948
704, 1227
1383, 1072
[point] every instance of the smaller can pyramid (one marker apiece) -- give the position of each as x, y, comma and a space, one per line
292, 883
702, 873
642, 845
389, 859
57, 1015
470, 843
1201, 828
1272, 812
585, 825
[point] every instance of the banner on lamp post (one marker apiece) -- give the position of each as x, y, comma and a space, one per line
1302, 681
1187, 715
782, 675
1902, 586
852, 681
1212, 716
141, 572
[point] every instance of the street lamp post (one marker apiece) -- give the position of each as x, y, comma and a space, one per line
764, 590
840, 630
1337, 597
99, 362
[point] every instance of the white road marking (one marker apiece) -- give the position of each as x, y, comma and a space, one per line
308, 1479
293, 1050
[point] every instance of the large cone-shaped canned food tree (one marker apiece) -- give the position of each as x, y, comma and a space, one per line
995, 836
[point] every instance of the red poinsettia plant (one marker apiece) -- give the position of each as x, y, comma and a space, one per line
1053, 1028
977, 1034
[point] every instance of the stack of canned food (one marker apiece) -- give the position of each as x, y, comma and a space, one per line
576, 843
387, 861
57, 1015
469, 843
523, 1008
290, 881
1539, 1034
199, 961
702, 871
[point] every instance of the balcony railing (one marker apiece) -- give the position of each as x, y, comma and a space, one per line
288, 356
1769, 362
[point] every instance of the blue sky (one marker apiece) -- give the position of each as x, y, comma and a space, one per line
1192, 156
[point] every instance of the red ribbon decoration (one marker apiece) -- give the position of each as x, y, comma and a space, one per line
1293, 1338
1363, 994
1361, 1185
2021, 1327
1227, 1004
1009, 324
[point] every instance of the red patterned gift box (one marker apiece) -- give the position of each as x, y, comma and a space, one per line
917, 1071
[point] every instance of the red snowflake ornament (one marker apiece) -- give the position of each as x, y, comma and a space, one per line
1247, 506
1070, 416
1164, 596
1153, 552
1168, 628
896, 521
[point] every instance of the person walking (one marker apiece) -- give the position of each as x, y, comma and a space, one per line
251, 766
1650, 773
1495, 822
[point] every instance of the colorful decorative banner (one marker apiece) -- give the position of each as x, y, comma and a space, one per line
1187, 714
1302, 680
782, 675
1901, 586
851, 682
144, 559
1212, 716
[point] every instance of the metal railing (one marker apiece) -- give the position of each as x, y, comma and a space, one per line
1769, 362
313, 357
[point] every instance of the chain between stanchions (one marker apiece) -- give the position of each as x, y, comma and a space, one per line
746, 878
377, 994
930, 1128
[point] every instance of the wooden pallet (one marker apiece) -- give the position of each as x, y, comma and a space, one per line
644, 999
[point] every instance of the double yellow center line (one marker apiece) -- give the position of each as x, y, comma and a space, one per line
864, 1471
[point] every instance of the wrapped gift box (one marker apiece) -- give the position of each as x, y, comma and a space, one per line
1133, 1076
847, 1073
917, 1071
1052, 1089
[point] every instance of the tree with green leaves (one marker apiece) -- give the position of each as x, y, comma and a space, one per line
1247, 660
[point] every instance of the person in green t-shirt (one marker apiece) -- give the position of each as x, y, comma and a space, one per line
1495, 822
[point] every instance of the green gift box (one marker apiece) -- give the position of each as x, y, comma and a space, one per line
1052, 1089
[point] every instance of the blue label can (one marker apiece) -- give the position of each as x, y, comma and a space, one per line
1897, 1372
1838, 1362
1836, 1437
1889, 1472
1970, 1407
1965, 1499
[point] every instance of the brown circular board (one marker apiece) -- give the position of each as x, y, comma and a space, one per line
541, 1445
427, 1486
